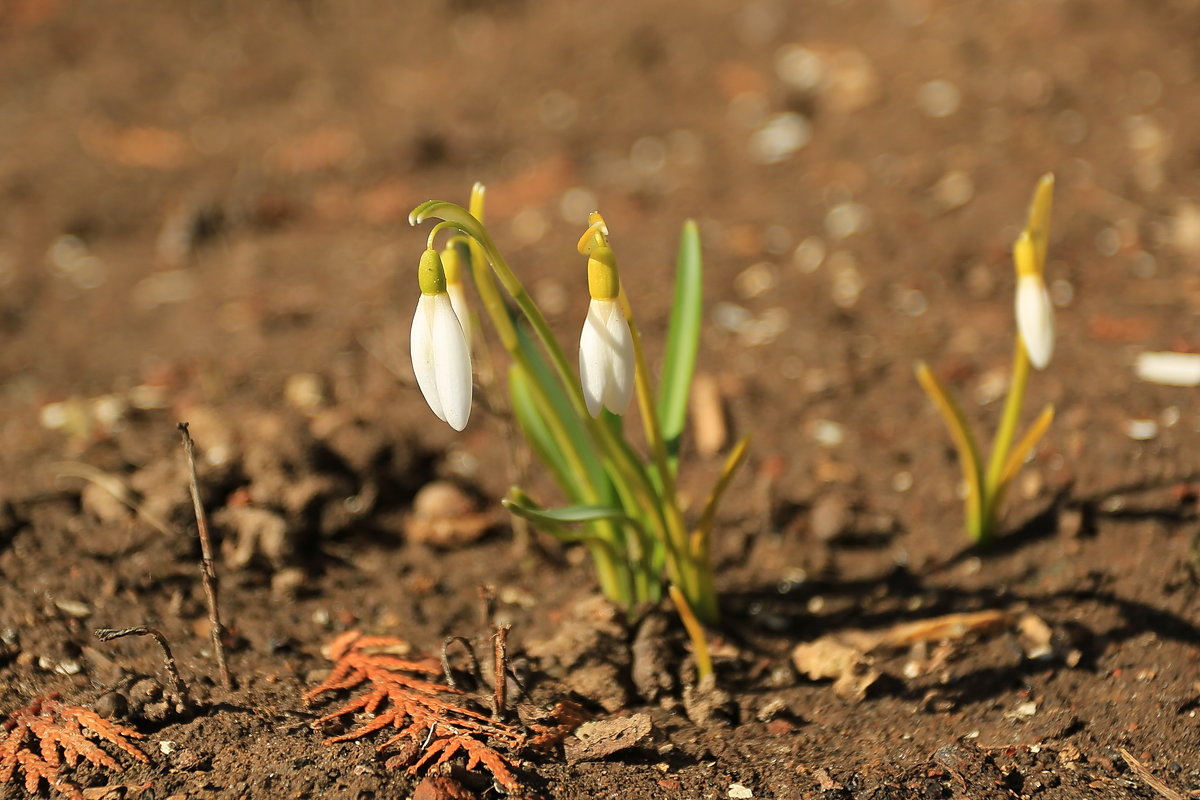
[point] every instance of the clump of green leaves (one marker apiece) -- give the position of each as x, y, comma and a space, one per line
1033, 346
622, 505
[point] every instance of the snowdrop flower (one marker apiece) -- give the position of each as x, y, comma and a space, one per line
1035, 314
453, 262
440, 355
606, 345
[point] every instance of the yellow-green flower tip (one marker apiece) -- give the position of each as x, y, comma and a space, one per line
1039, 209
431, 276
595, 236
1039, 215
478, 191
1025, 256
604, 283
452, 263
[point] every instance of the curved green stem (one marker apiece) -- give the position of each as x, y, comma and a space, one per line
1002, 444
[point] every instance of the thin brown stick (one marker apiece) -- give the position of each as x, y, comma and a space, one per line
177, 685
448, 673
487, 604
208, 571
1148, 777
500, 671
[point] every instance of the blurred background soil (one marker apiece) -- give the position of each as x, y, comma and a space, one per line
203, 217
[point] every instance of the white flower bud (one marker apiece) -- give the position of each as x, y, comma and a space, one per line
606, 361
441, 359
1035, 319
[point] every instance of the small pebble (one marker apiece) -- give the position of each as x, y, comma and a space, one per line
73, 608
756, 279
799, 67
809, 254
938, 99
731, 318
780, 137
846, 219
306, 391
828, 433
953, 190
847, 282
1141, 429
739, 792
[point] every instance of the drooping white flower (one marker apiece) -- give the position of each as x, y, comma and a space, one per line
1035, 319
440, 355
458, 301
453, 264
606, 361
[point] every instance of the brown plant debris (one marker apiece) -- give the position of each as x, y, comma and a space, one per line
38, 739
433, 721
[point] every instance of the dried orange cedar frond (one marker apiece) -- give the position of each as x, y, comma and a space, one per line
431, 720
53, 726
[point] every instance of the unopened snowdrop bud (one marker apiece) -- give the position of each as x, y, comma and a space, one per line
452, 261
1035, 314
440, 356
606, 360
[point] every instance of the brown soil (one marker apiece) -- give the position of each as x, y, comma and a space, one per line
202, 218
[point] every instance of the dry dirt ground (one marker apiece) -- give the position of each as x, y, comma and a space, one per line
203, 217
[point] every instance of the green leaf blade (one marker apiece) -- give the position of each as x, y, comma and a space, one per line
683, 340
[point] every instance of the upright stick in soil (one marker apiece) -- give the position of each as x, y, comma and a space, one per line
208, 572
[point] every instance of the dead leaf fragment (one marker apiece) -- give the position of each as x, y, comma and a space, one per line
708, 415
827, 658
944, 628
1035, 636
596, 740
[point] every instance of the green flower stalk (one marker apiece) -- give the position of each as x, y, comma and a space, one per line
624, 507
1033, 347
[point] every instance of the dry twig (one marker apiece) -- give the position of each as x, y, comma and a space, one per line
208, 571
1148, 777
41, 737
183, 700
431, 719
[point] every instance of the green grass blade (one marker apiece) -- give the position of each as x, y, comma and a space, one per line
683, 340
1024, 447
567, 515
964, 442
700, 537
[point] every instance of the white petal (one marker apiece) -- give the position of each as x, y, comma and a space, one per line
593, 357
1171, 369
458, 299
1035, 319
452, 363
618, 389
421, 349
